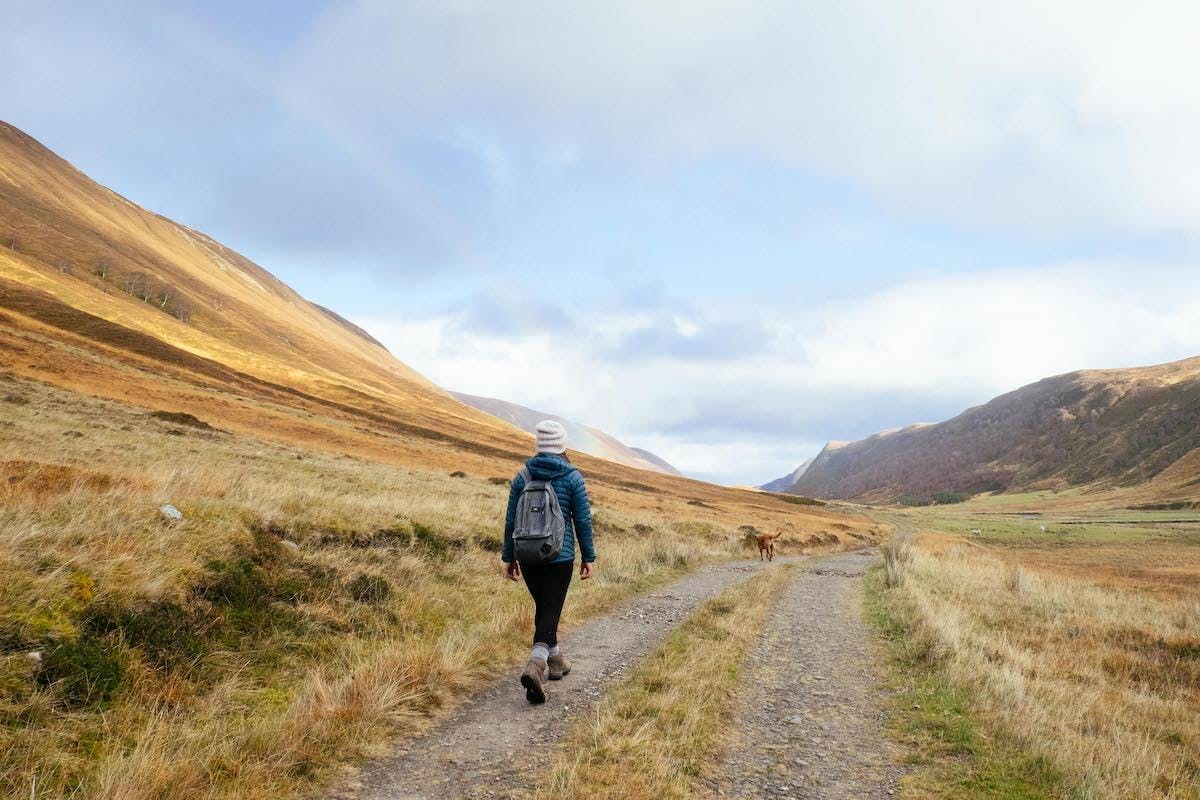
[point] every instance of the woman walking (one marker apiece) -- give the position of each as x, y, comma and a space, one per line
547, 575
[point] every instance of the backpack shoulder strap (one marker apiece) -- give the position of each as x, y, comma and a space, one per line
524, 475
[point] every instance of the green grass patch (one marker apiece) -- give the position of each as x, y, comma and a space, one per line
955, 750
1021, 529
798, 500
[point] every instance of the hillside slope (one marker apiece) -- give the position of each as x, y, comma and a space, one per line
63, 235
106, 299
580, 437
1113, 428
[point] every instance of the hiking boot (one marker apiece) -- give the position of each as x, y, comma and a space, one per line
534, 681
556, 667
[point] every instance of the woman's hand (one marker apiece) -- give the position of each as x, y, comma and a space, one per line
512, 570
585, 570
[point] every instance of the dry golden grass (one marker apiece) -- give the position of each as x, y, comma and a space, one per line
655, 737
117, 365
1159, 566
1100, 678
897, 552
77, 241
210, 658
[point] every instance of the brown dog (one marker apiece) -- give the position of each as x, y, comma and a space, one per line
766, 545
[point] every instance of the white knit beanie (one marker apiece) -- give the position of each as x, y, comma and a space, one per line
551, 437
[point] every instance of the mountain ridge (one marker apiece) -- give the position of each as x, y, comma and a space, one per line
1115, 428
584, 438
785, 482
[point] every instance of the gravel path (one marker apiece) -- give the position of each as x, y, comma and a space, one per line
810, 725
496, 740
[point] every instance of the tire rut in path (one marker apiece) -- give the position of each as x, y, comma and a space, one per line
496, 741
809, 724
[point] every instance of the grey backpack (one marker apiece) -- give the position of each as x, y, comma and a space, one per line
539, 527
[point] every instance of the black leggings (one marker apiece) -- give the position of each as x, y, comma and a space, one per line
548, 584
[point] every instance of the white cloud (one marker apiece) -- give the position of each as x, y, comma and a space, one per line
997, 330
1027, 115
917, 351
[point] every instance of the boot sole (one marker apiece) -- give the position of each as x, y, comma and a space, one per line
534, 692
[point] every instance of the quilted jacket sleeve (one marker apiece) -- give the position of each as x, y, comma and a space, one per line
581, 514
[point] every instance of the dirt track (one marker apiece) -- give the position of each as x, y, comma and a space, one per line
812, 665
810, 724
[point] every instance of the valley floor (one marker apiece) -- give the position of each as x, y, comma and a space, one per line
1023, 658
1042, 655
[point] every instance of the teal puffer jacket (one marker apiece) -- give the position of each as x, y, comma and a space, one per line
572, 498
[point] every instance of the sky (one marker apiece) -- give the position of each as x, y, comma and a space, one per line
733, 230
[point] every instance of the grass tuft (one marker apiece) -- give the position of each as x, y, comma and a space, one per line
897, 552
1017, 581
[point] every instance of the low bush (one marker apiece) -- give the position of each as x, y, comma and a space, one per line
182, 418
85, 672
366, 588
434, 543
492, 543
799, 500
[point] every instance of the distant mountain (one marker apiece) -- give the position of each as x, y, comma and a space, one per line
660, 463
787, 481
1113, 428
579, 437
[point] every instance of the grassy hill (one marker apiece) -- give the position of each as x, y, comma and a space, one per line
74, 256
1132, 432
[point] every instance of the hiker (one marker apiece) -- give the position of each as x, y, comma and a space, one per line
548, 511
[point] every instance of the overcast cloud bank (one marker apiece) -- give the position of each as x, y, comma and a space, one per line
788, 375
758, 225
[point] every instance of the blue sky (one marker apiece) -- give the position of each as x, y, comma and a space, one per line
738, 229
